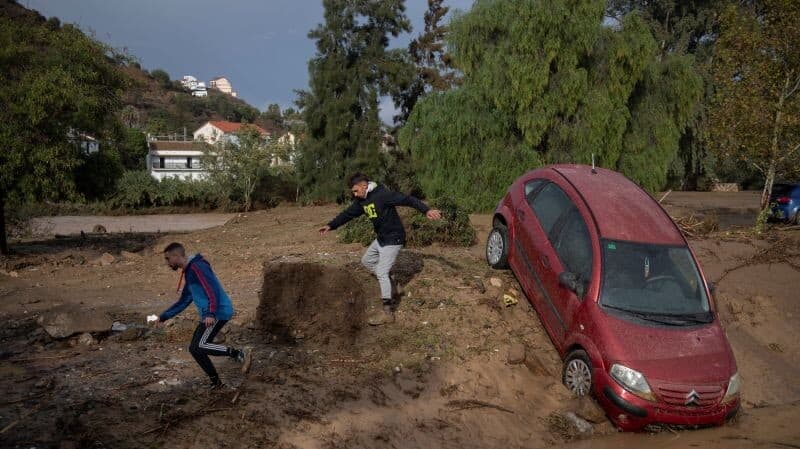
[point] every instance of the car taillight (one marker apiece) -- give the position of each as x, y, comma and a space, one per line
783, 200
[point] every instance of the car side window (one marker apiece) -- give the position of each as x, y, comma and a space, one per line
573, 245
549, 204
532, 188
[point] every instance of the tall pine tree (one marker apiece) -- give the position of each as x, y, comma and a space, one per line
428, 52
351, 70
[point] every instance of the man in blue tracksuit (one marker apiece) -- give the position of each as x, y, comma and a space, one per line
213, 305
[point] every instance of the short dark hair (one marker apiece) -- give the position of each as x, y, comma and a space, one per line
356, 178
175, 247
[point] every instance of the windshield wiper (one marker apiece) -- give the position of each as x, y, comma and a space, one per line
671, 319
645, 315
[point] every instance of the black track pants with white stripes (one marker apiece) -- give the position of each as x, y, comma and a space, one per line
202, 347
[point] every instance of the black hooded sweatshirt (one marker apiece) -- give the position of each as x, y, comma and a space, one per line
379, 206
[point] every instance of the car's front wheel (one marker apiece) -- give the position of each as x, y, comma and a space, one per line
497, 247
577, 375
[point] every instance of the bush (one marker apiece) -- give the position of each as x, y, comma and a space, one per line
138, 189
454, 229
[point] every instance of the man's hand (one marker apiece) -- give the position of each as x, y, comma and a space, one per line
434, 214
208, 321
324, 230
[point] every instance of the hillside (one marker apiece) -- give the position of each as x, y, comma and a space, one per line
162, 108
149, 103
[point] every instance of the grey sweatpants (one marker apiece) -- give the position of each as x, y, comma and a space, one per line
380, 260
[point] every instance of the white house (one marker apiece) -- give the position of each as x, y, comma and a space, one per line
189, 82
216, 131
198, 88
178, 159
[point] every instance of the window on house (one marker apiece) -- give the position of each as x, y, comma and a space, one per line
161, 162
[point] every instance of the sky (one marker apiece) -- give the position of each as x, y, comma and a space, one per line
261, 46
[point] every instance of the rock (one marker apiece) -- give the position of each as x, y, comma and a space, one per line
65, 321
99, 229
131, 334
516, 354
587, 409
86, 339
127, 255
581, 427
13, 274
118, 327
104, 260
495, 282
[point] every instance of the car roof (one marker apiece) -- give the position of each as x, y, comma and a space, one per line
621, 209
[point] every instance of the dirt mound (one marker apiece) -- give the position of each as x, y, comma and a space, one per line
312, 302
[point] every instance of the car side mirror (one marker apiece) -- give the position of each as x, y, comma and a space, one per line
570, 281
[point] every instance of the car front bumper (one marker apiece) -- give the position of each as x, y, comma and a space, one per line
632, 413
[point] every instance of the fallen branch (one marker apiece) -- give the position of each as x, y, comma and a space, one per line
468, 404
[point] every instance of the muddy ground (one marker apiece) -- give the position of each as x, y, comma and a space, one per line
447, 374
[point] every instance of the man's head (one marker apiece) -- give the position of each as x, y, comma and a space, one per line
358, 183
175, 255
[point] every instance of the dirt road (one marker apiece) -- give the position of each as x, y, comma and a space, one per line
67, 225
440, 377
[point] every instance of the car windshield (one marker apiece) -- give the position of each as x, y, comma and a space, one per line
650, 281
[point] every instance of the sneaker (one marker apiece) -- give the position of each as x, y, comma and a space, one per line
245, 357
384, 316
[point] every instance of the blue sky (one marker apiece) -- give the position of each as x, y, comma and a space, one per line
260, 45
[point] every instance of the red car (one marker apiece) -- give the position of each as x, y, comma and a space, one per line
621, 295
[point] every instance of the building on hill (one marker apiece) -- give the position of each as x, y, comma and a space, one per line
223, 85
217, 130
175, 159
198, 88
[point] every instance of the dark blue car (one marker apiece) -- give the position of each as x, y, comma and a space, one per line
785, 200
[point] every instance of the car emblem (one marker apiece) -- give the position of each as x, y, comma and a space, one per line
692, 398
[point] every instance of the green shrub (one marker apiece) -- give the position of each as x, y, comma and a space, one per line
357, 231
136, 189
454, 229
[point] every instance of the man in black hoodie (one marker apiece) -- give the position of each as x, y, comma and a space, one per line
378, 203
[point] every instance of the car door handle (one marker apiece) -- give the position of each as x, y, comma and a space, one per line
545, 261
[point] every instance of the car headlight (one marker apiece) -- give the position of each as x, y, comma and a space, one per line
733, 389
632, 381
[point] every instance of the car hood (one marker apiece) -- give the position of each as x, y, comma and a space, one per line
695, 354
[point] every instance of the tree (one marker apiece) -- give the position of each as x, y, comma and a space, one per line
546, 83
351, 70
132, 148
55, 84
273, 114
681, 28
238, 165
162, 77
434, 71
756, 116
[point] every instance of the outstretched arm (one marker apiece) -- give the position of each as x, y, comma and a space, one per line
400, 199
354, 211
178, 307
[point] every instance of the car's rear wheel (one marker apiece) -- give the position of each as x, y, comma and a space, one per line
497, 247
577, 375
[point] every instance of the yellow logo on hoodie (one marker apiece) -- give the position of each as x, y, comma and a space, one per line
369, 209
